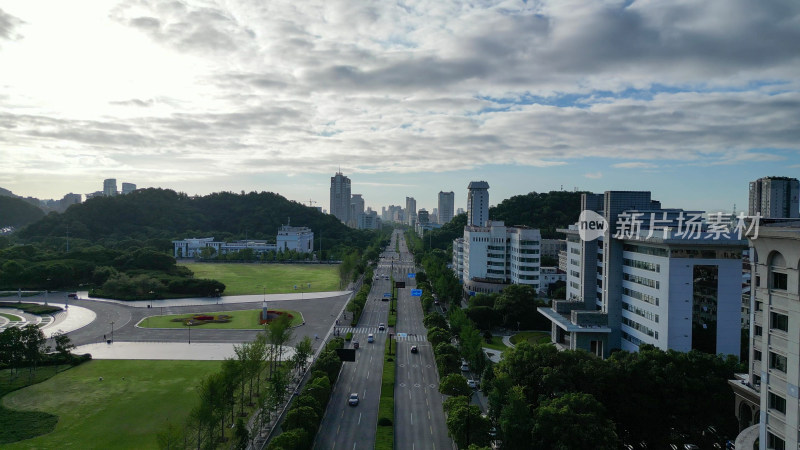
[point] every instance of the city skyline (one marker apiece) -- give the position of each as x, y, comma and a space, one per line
689, 101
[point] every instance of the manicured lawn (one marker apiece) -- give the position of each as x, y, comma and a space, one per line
244, 279
533, 337
114, 413
241, 320
18, 425
496, 344
11, 317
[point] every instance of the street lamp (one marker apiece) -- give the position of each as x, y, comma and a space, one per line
46, 291
112, 331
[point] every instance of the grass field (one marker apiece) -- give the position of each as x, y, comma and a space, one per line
245, 279
242, 320
533, 337
11, 317
18, 425
113, 413
496, 344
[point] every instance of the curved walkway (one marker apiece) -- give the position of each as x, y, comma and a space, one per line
197, 301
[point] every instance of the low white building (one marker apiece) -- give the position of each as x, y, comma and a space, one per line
299, 239
491, 257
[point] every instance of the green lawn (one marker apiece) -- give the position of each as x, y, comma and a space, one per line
533, 337
496, 344
113, 413
11, 317
18, 425
242, 320
244, 279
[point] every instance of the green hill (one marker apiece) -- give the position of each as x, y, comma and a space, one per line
545, 211
16, 212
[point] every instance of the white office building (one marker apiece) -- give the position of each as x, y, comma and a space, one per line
477, 203
652, 283
110, 187
767, 396
491, 257
445, 209
299, 239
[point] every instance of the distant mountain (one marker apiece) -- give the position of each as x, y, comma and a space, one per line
545, 211
7, 193
17, 212
165, 214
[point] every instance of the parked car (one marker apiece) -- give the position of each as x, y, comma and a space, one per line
472, 383
370, 338
414, 349
465, 367
353, 400
355, 344
72, 295
381, 327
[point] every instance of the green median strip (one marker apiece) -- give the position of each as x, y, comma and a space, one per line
384, 437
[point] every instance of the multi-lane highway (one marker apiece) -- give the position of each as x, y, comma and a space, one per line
353, 427
419, 418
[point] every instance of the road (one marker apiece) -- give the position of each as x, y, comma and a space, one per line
353, 427
419, 418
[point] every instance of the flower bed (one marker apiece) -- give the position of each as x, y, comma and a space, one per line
202, 319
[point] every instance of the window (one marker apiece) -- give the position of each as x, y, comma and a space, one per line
779, 321
774, 442
777, 362
779, 281
777, 403
758, 330
758, 306
756, 355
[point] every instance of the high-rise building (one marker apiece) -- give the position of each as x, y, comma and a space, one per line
767, 396
651, 278
69, 200
477, 203
446, 204
356, 209
340, 197
110, 187
423, 217
435, 215
127, 188
411, 211
775, 198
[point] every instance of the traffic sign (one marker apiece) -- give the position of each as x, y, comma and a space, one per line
416, 292
412, 275
387, 294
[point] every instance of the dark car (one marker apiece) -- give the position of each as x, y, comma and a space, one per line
355, 344
414, 349
72, 295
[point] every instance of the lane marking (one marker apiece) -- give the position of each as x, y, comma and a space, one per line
359, 418
412, 418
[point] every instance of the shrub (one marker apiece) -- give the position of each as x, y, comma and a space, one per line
385, 422
348, 337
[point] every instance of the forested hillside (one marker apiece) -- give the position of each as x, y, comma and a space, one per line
16, 212
545, 211
159, 215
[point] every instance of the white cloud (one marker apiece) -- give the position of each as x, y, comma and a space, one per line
284, 86
594, 175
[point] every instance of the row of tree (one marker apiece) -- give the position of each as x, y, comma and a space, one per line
26, 348
255, 380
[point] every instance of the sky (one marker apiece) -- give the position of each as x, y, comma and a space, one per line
690, 100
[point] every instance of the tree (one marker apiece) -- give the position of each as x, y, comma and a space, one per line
437, 336
292, 439
471, 347
573, 421
466, 425
170, 437
241, 437
302, 351
63, 345
311, 402
330, 363
302, 417
515, 421
33, 346
447, 363
455, 385
433, 320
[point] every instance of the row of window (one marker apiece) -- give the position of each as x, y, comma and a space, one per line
632, 339
640, 312
574, 285
529, 251
533, 260
645, 250
528, 242
575, 251
639, 327
653, 267
641, 280
574, 262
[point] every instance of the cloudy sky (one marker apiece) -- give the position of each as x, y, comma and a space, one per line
689, 99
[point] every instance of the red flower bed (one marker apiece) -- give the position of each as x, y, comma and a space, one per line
199, 317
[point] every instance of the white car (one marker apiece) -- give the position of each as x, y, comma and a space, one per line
370, 338
472, 383
381, 327
465, 367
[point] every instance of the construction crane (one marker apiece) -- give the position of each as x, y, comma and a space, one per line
311, 203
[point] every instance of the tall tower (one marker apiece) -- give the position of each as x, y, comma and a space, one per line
110, 187
340, 197
477, 203
411, 211
774, 197
356, 209
446, 204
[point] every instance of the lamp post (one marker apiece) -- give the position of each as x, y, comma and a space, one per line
112, 331
46, 291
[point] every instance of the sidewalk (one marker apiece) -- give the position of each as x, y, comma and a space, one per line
165, 350
256, 298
